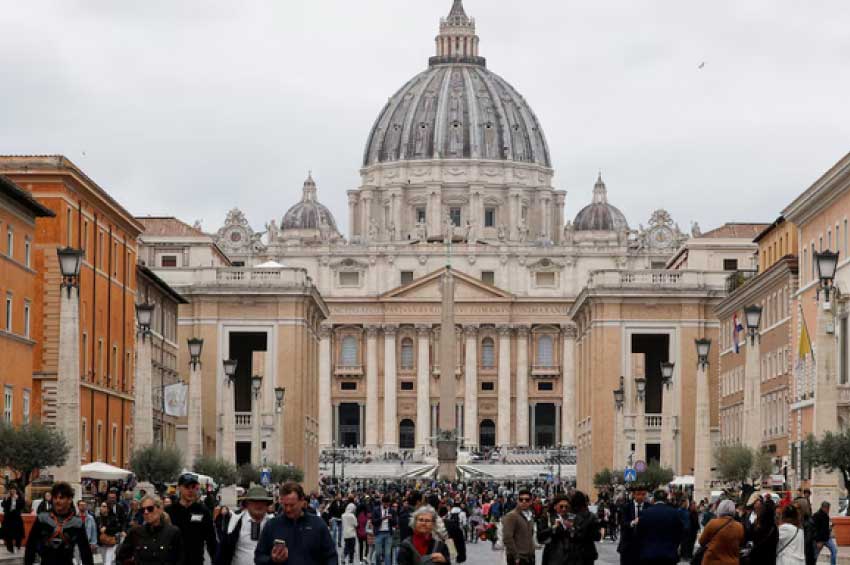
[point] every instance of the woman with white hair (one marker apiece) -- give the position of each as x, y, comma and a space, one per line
722, 537
423, 547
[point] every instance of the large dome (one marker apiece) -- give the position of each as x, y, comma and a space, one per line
457, 109
599, 215
309, 213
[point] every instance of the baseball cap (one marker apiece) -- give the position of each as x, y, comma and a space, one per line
187, 479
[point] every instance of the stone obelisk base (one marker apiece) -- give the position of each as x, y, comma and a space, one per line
447, 458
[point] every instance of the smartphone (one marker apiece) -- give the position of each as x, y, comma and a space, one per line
280, 542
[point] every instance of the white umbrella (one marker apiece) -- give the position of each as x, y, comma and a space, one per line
103, 471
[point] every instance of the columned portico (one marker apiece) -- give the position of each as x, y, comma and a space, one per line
521, 386
371, 388
503, 426
423, 383
470, 396
568, 387
325, 415
390, 403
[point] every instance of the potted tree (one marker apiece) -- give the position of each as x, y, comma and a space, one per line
832, 453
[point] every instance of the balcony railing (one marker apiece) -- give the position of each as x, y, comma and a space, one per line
545, 371
653, 421
657, 279
737, 279
349, 370
243, 420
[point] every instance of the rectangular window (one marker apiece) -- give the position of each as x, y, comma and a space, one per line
100, 250
27, 252
488, 277
842, 350
85, 343
545, 386
99, 370
406, 385
730, 264
454, 215
9, 312
348, 385
99, 440
8, 394
114, 376
545, 279
69, 221
84, 440
489, 217
406, 277
488, 386
234, 263
114, 444
27, 308
86, 240
168, 261
814, 272
10, 242
845, 238
657, 265
26, 407
349, 278
115, 259
420, 215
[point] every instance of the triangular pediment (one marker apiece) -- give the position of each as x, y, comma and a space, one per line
467, 288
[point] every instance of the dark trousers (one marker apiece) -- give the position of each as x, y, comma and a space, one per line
348, 552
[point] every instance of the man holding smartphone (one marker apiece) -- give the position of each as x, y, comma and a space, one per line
295, 537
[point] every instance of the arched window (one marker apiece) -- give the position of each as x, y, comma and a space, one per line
348, 355
545, 358
407, 353
488, 353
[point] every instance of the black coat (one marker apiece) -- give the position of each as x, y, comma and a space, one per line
111, 523
196, 526
556, 540
765, 540
407, 554
456, 533
660, 532
13, 523
147, 545
54, 549
628, 546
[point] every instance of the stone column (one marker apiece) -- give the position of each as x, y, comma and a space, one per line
752, 395
325, 416
194, 421
435, 215
352, 213
470, 391
640, 427
521, 386
503, 427
390, 404
423, 387
365, 213
513, 214
228, 422
702, 441
68, 387
533, 440
568, 386
668, 446
143, 400
825, 485
372, 388
619, 438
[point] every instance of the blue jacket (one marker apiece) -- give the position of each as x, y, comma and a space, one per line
308, 540
659, 532
392, 519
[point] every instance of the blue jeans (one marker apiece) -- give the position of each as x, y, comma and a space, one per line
336, 530
833, 550
383, 548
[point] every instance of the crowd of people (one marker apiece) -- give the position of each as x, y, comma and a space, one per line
413, 523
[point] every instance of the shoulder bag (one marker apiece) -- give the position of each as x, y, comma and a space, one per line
700, 553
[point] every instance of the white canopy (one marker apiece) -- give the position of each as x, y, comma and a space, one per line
683, 481
270, 265
103, 471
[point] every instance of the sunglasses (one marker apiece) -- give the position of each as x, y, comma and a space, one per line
148, 509
524, 499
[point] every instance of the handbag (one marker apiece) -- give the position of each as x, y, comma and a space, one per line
700, 553
107, 540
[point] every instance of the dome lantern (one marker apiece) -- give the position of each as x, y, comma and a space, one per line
309, 219
599, 215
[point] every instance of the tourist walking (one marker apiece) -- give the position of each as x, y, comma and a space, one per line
240, 539
55, 534
348, 524
791, 547
156, 542
422, 546
583, 530
295, 536
630, 514
659, 532
518, 531
13, 522
553, 533
89, 525
108, 531
823, 532
765, 536
194, 521
384, 521
722, 537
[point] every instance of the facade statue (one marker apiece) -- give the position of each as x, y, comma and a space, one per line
469, 232
373, 230
391, 231
502, 232
523, 231
272, 231
695, 230
421, 232
448, 227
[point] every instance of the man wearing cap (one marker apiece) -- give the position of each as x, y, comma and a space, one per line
243, 531
194, 521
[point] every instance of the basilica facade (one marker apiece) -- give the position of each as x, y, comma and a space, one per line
456, 171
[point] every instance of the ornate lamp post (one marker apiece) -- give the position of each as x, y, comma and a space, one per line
702, 440
143, 399
668, 445
752, 379
824, 484
68, 374
195, 432
280, 397
256, 448
228, 416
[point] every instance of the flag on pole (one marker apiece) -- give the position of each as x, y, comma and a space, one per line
805, 346
737, 328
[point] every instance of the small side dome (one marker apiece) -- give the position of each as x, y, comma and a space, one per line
599, 215
309, 219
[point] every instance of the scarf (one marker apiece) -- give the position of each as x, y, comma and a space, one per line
422, 542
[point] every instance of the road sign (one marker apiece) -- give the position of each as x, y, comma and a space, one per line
640, 466
629, 475
266, 476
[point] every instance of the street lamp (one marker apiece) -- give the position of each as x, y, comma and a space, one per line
279, 395
703, 347
70, 260
667, 373
229, 369
753, 316
144, 316
196, 345
256, 383
620, 394
827, 262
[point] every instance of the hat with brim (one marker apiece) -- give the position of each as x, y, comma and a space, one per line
257, 493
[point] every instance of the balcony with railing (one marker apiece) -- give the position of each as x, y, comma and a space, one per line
737, 279
653, 421
348, 371
657, 280
545, 371
243, 420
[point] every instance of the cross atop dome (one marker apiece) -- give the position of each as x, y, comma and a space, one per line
309, 193
457, 41
600, 191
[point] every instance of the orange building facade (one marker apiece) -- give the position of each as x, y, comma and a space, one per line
86, 217
18, 213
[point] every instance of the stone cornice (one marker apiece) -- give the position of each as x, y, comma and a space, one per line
830, 186
751, 291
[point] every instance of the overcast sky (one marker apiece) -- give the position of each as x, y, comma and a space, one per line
191, 108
